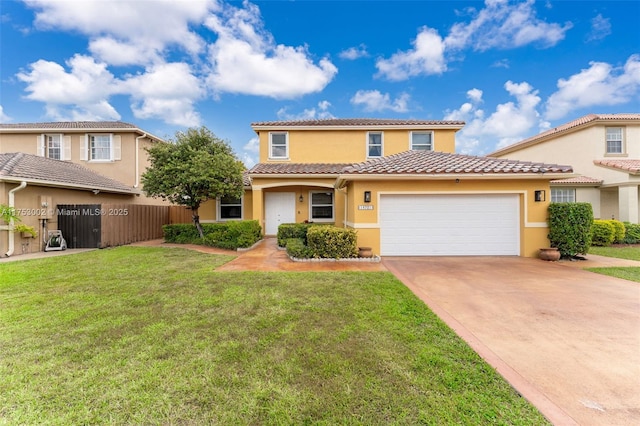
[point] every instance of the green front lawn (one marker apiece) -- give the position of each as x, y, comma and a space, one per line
619, 251
631, 273
136, 335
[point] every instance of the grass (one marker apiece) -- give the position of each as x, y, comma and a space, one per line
619, 251
137, 335
631, 273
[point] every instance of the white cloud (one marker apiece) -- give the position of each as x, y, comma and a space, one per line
321, 112
374, 101
504, 25
600, 84
166, 91
245, 59
600, 28
4, 118
251, 152
82, 93
122, 33
427, 57
509, 123
353, 53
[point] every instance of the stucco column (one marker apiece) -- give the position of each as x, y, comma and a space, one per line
628, 203
257, 206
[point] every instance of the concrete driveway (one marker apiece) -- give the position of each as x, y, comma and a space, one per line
568, 340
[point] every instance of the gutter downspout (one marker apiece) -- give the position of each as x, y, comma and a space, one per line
12, 202
135, 185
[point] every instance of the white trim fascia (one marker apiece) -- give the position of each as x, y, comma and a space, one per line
363, 225
65, 130
65, 185
275, 128
293, 183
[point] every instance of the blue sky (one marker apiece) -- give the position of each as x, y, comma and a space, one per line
508, 69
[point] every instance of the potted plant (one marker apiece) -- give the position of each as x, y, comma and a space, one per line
25, 230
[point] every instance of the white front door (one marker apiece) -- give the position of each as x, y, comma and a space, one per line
279, 207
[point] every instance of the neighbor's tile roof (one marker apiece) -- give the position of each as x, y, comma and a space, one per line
298, 168
631, 166
432, 162
582, 121
21, 166
345, 122
578, 180
68, 125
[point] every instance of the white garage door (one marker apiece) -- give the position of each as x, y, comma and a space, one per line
450, 225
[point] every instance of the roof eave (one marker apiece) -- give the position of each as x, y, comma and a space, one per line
360, 127
55, 184
290, 175
84, 130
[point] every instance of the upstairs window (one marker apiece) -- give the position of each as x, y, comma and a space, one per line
322, 206
53, 146
374, 144
422, 141
615, 143
230, 208
100, 147
279, 145
563, 195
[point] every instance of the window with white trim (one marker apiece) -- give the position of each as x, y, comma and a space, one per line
563, 195
615, 143
374, 144
230, 208
53, 146
321, 206
100, 147
422, 141
278, 145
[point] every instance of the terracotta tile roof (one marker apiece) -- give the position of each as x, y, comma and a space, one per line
357, 122
582, 121
631, 166
432, 162
298, 168
578, 180
68, 125
21, 166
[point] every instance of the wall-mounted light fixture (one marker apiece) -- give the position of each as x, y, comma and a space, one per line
301, 198
539, 195
367, 196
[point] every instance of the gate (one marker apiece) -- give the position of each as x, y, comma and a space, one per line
80, 224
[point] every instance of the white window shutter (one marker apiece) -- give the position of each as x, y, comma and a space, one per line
41, 142
117, 147
66, 148
84, 147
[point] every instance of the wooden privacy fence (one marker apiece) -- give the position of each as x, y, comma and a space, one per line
127, 223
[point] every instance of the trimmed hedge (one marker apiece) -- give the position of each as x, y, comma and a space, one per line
619, 230
631, 234
231, 235
330, 242
297, 248
570, 227
295, 230
603, 233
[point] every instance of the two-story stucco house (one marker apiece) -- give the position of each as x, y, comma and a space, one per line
398, 183
604, 149
43, 165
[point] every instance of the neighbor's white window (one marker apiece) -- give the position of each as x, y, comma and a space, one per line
321, 206
53, 146
422, 141
230, 208
374, 144
278, 145
563, 195
614, 140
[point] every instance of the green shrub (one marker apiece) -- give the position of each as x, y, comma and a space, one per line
619, 231
570, 227
297, 248
228, 235
295, 230
631, 234
330, 242
603, 233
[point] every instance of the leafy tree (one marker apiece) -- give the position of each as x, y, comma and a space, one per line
194, 168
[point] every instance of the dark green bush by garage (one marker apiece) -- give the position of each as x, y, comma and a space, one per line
570, 227
228, 235
330, 242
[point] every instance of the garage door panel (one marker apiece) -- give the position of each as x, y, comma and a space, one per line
414, 225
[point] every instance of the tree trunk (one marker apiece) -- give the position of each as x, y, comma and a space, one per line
196, 221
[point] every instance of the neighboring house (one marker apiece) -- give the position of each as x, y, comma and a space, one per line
398, 183
46, 165
604, 149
